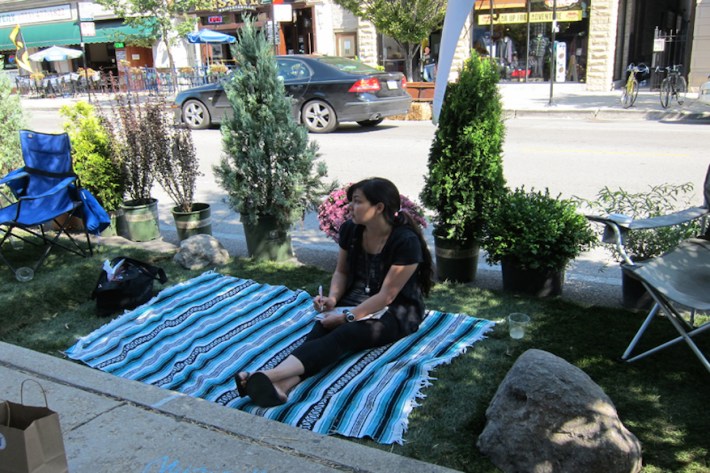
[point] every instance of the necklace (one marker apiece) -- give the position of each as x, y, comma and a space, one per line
378, 250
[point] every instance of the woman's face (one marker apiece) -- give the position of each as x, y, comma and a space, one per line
363, 210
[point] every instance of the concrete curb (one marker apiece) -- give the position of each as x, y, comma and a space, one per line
608, 114
270, 446
572, 107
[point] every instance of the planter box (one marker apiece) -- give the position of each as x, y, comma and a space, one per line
421, 91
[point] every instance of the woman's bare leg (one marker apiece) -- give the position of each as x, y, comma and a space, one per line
285, 375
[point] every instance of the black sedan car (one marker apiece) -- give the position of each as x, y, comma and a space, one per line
327, 90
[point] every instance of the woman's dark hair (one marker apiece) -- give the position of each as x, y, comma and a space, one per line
380, 190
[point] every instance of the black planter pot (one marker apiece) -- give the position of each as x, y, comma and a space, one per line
534, 282
456, 261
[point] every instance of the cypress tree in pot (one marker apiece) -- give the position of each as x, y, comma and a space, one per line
269, 168
465, 171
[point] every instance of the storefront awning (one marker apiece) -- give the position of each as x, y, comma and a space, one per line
115, 31
39, 36
67, 33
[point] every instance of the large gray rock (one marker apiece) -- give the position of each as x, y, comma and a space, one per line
549, 416
200, 251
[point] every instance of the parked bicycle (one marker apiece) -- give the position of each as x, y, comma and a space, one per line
673, 85
631, 89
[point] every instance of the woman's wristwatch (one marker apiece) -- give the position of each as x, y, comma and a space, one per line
349, 316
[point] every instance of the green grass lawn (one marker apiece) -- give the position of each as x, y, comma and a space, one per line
663, 400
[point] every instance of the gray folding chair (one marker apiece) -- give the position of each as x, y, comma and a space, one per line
680, 277
679, 282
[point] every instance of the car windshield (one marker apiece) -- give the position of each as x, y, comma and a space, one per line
347, 65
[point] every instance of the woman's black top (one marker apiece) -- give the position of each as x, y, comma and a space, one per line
366, 270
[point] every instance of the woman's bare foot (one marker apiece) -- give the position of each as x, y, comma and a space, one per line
241, 379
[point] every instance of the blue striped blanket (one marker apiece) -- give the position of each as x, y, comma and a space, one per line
193, 337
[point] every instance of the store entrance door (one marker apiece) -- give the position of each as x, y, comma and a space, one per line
298, 35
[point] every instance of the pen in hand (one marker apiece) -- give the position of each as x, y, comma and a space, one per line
320, 297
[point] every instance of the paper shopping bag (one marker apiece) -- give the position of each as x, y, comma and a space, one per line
30, 439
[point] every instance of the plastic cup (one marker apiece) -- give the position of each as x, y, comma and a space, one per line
24, 274
17, 243
517, 322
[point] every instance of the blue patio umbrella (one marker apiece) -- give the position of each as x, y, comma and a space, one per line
205, 36
210, 36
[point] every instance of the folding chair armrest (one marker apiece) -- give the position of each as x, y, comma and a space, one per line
614, 232
13, 176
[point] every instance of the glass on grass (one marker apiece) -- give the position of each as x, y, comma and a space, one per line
517, 323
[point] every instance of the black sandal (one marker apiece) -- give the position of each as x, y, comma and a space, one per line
262, 391
241, 383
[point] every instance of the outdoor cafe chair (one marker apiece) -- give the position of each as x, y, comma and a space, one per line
44, 191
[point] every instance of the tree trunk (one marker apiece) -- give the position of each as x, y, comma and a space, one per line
410, 51
171, 61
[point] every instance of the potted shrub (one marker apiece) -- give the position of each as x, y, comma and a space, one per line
465, 170
132, 144
268, 168
175, 168
643, 244
92, 159
534, 236
335, 210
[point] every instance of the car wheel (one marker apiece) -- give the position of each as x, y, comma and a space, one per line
195, 115
319, 117
370, 123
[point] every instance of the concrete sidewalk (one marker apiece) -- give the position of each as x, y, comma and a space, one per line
571, 100
114, 425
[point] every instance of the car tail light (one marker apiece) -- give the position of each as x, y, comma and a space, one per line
404, 82
371, 84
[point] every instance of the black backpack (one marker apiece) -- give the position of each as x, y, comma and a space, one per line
131, 285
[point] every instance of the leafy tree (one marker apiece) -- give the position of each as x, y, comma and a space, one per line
12, 120
165, 20
408, 22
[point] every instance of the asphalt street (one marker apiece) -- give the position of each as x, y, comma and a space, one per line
573, 148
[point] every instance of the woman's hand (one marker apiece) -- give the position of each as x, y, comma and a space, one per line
324, 304
332, 320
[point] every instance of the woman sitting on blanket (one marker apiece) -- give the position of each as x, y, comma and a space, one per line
383, 272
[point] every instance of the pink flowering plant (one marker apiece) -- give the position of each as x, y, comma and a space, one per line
335, 210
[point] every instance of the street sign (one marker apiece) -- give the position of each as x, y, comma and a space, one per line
88, 28
283, 12
119, 45
86, 11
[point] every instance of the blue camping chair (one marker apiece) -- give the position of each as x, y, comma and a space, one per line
45, 189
